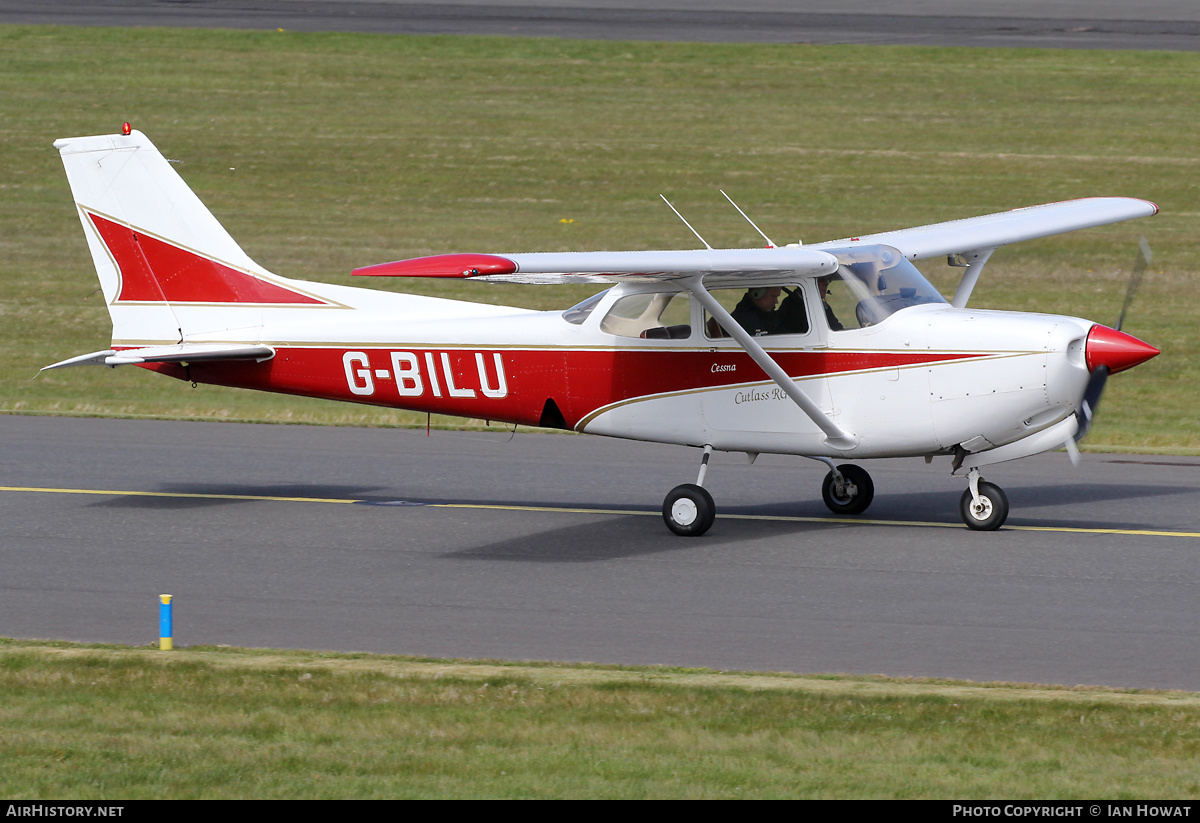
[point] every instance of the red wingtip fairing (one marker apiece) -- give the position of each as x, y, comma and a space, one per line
441, 265
1115, 349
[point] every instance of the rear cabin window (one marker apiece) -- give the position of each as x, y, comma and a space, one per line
650, 316
582, 311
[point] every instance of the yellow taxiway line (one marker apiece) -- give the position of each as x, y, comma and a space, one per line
576, 510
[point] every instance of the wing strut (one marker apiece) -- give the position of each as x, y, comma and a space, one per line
835, 436
973, 262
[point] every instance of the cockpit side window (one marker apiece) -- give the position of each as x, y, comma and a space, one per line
651, 316
761, 310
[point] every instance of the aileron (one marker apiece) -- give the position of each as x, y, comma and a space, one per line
993, 230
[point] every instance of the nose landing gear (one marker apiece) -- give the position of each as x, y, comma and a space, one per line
984, 506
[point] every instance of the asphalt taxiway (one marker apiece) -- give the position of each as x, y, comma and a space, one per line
550, 547
1090, 24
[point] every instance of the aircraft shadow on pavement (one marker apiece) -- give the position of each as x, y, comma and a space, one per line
624, 536
638, 535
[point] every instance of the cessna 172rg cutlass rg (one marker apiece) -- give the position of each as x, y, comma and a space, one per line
835, 351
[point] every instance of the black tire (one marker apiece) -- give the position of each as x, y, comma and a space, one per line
992, 511
854, 502
689, 510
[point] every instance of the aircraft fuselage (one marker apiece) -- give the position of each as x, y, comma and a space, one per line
921, 382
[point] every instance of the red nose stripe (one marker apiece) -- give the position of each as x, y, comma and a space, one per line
1115, 349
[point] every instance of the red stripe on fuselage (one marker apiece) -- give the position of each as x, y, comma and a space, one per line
155, 271
513, 385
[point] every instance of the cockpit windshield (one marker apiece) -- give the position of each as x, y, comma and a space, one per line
872, 283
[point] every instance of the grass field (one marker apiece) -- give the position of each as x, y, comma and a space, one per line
94, 722
322, 152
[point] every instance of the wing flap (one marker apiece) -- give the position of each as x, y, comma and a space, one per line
613, 266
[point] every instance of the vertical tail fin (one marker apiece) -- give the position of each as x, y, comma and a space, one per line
168, 269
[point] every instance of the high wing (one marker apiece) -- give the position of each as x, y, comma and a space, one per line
973, 235
714, 265
994, 230
970, 242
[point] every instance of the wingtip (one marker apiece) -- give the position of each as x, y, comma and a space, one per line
441, 265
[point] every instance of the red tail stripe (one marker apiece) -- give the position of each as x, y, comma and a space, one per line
153, 270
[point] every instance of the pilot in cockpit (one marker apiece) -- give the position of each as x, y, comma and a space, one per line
756, 311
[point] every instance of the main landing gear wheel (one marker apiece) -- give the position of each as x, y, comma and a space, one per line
991, 511
856, 494
689, 510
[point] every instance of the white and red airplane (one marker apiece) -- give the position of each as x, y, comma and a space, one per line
862, 359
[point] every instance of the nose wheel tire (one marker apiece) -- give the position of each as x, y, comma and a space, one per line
991, 511
857, 492
689, 510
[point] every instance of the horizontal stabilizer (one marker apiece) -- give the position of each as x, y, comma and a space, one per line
182, 353
613, 266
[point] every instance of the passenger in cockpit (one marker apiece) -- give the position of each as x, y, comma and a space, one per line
792, 316
823, 289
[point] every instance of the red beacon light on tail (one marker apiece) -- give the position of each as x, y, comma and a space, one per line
126, 129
